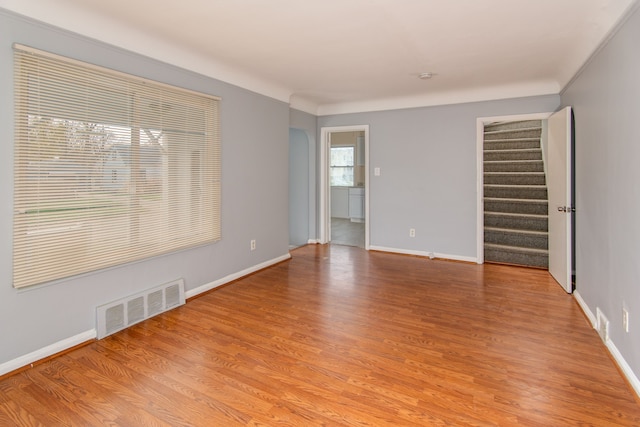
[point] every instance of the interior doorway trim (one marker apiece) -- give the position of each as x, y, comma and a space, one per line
325, 187
480, 123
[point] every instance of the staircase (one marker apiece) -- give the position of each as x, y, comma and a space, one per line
515, 195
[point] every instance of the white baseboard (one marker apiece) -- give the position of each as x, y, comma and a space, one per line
615, 353
313, 241
424, 254
47, 351
67, 343
624, 367
230, 278
585, 309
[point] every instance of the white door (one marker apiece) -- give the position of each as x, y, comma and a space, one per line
559, 187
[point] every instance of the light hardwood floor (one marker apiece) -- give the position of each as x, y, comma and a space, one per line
341, 336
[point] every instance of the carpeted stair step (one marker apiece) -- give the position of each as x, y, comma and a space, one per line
519, 256
514, 166
512, 144
511, 155
522, 124
517, 238
530, 192
514, 178
515, 203
522, 206
492, 135
516, 221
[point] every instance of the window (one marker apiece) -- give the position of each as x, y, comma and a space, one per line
342, 162
108, 168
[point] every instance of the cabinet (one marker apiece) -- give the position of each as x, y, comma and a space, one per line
339, 202
356, 204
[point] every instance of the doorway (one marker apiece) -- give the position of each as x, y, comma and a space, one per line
347, 181
298, 188
556, 146
481, 124
344, 206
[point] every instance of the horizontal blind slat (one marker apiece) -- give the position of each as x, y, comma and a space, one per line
109, 168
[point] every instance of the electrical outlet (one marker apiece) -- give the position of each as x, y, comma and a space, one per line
625, 319
253, 245
412, 232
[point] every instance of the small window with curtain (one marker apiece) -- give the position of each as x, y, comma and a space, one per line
109, 168
342, 165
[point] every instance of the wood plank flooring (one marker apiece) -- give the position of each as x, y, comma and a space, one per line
338, 336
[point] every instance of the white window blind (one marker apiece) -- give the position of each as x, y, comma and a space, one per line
109, 168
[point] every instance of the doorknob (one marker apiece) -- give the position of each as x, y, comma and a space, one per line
567, 209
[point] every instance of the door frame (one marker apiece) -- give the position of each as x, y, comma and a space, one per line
480, 124
325, 187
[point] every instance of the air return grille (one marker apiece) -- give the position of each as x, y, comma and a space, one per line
121, 314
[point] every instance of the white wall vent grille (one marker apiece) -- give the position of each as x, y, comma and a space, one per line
118, 315
135, 310
114, 318
155, 303
602, 325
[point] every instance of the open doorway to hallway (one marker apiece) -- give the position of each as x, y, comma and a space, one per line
347, 180
344, 194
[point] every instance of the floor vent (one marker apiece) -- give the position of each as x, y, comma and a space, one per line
121, 314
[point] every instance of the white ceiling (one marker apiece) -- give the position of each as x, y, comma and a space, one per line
335, 56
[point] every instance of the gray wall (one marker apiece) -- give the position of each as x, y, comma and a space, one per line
427, 159
308, 123
254, 197
606, 102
